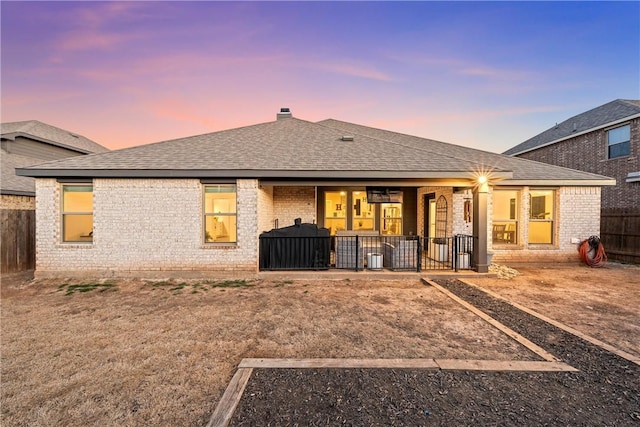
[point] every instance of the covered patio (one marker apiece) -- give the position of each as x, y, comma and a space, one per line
376, 226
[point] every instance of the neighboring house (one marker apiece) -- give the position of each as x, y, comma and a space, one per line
200, 203
605, 141
25, 144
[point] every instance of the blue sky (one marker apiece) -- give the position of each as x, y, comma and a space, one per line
482, 74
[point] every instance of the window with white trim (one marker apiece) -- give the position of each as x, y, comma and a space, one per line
619, 142
220, 216
77, 213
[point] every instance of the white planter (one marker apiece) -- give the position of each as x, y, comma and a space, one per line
440, 252
374, 261
463, 260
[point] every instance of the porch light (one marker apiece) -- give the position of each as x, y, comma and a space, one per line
483, 184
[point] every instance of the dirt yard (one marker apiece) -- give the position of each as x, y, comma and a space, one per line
600, 302
161, 353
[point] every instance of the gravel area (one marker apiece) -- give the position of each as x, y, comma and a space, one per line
605, 391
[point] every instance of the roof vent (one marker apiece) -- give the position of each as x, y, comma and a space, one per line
284, 113
346, 138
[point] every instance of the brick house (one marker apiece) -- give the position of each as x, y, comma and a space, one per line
604, 141
23, 144
199, 204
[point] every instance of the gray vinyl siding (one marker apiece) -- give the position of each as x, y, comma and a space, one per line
38, 150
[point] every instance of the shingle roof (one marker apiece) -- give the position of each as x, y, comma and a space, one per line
12, 183
294, 148
523, 169
598, 117
23, 185
52, 135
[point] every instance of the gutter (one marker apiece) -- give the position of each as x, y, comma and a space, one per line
207, 173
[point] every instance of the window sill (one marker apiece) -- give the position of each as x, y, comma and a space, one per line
627, 158
223, 246
75, 245
507, 246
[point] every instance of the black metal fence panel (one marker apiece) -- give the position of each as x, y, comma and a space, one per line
295, 253
375, 252
448, 253
366, 252
463, 252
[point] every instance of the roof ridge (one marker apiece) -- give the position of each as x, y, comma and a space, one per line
610, 112
424, 149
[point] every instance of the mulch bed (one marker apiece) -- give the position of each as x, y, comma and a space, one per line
605, 391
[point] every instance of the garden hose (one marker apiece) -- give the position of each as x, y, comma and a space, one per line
592, 252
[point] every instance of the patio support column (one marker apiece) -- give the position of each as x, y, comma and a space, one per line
480, 194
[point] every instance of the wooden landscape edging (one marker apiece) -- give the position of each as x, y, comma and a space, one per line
510, 332
630, 357
442, 364
223, 413
231, 398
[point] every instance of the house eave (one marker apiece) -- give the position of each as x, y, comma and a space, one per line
18, 193
559, 182
573, 135
12, 136
432, 182
279, 174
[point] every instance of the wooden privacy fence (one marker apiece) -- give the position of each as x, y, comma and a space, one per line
18, 240
620, 233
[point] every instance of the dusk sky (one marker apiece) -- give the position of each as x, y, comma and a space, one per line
487, 75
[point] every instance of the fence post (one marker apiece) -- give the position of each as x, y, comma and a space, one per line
357, 251
419, 263
454, 255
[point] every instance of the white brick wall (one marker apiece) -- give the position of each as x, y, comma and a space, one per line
460, 226
145, 225
290, 203
155, 225
577, 216
447, 192
580, 207
265, 208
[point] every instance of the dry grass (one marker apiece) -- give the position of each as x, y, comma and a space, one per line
162, 353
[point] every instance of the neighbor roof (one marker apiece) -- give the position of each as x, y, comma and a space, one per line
290, 148
44, 133
50, 135
602, 116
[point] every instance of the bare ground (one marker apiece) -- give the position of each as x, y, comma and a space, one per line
600, 302
162, 353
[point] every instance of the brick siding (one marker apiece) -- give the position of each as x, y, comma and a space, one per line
154, 227
577, 217
290, 203
143, 226
588, 152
